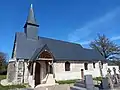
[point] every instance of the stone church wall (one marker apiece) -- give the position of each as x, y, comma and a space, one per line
75, 70
26, 72
23, 73
20, 70
17, 72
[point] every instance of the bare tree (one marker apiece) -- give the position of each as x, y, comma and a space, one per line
3, 58
105, 46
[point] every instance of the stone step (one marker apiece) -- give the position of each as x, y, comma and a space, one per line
50, 79
77, 88
79, 85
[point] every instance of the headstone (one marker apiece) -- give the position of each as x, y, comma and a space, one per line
105, 83
89, 82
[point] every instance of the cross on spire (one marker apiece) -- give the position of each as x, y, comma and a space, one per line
31, 5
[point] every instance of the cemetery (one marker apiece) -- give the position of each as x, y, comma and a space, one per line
109, 82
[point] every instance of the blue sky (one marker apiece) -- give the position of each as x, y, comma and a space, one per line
76, 21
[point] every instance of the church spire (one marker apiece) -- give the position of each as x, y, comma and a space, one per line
31, 16
31, 27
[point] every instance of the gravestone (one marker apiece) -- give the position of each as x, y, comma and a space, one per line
86, 84
105, 83
89, 82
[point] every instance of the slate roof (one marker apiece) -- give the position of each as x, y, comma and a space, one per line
61, 50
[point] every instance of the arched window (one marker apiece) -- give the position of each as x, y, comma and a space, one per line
93, 65
86, 66
67, 66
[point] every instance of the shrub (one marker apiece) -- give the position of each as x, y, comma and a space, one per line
2, 77
3, 72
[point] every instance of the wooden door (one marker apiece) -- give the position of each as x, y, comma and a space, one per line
37, 74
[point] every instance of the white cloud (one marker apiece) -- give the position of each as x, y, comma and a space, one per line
85, 43
115, 38
103, 25
78, 34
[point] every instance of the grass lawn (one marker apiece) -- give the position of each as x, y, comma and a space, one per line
98, 78
73, 81
10, 86
2, 77
66, 82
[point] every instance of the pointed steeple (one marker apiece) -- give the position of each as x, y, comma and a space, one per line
31, 17
31, 27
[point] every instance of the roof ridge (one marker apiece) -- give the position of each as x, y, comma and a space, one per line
89, 48
61, 40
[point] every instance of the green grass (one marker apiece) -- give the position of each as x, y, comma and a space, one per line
98, 78
66, 82
10, 86
2, 77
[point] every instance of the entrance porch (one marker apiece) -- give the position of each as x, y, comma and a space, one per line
41, 70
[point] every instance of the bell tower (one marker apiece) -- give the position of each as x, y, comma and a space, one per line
31, 27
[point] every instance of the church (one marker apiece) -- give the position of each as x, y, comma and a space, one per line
40, 60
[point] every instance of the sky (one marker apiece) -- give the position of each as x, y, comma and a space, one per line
77, 21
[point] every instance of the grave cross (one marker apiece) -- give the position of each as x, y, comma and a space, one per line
109, 71
114, 69
100, 66
109, 78
119, 71
115, 75
119, 74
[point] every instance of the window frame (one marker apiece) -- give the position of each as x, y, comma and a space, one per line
67, 66
93, 64
86, 66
